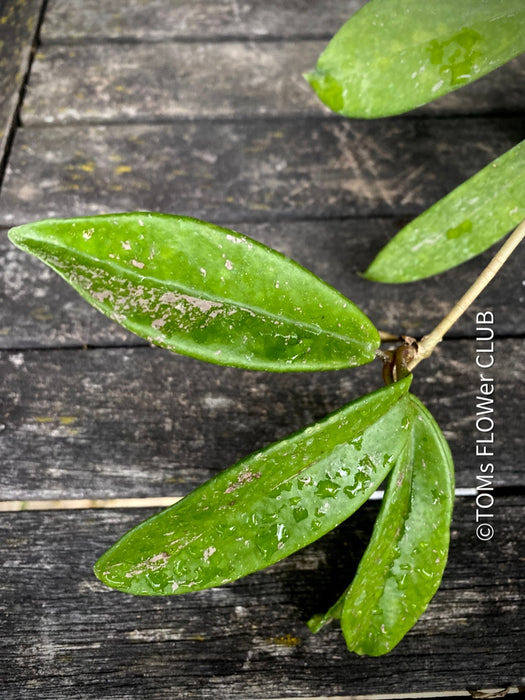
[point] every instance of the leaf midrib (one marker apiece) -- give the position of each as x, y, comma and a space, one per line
128, 273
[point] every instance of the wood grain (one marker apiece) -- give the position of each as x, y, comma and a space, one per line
143, 422
198, 108
153, 20
65, 636
18, 26
252, 170
164, 81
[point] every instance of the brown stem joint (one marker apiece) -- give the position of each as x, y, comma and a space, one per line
396, 362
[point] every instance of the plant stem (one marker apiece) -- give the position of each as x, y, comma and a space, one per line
386, 336
427, 344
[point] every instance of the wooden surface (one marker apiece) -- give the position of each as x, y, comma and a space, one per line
74, 638
138, 422
199, 108
255, 170
186, 20
156, 81
19, 20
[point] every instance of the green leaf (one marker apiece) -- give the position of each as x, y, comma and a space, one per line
267, 506
463, 224
394, 55
204, 291
404, 562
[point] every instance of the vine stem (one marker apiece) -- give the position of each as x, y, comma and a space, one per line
427, 344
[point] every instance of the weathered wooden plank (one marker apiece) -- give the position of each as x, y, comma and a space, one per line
38, 309
18, 26
143, 422
233, 79
65, 636
154, 20
256, 170
166, 81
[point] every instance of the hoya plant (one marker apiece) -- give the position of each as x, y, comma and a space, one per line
217, 295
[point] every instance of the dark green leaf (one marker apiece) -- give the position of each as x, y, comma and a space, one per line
460, 226
394, 55
204, 291
266, 506
404, 562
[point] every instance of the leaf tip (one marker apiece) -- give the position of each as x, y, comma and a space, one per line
27, 236
328, 89
17, 235
103, 572
98, 570
309, 76
376, 272
366, 275
316, 623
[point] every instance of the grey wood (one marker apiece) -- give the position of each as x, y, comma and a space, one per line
148, 81
18, 25
252, 170
141, 422
132, 82
199, 108
153, 20
65, 636
38, 309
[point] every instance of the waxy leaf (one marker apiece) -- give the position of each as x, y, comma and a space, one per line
460, 226
394, 55
405, 559
268, 505
204, 291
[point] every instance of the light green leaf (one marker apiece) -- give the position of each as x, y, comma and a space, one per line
204, 291
404, 562
463, 224
395, 55
268, 505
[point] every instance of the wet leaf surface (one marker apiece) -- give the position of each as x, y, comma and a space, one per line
395, 55
204, 291
404, 562
267, 506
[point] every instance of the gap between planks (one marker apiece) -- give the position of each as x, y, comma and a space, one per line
20, 80
268, 118
160, 501
130, 40
485, 693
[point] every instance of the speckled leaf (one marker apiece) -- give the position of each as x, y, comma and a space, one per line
266, 506
404, 562
394, 55
460, 226
204, 291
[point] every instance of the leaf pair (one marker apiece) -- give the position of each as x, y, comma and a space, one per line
405, 559
284, 497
